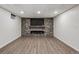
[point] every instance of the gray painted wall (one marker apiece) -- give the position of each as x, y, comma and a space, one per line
10, 29
66, 27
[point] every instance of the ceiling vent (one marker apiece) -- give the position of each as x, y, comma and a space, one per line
13, 16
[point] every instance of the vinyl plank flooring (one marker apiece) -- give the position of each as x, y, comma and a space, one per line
37, 45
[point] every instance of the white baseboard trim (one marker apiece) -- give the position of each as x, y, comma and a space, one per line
8, 42
67, 44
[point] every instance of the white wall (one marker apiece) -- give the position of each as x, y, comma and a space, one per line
66, 27
10, 29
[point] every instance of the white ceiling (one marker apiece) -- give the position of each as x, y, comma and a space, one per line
30, 10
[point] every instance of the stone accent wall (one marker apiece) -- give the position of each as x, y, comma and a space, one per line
48, 26
25, 26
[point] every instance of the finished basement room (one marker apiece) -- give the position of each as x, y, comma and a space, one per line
39, 29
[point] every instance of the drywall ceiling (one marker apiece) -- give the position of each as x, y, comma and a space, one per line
30, 10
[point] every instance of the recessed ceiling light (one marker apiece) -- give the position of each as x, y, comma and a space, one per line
55, 12
38, 12
22, 12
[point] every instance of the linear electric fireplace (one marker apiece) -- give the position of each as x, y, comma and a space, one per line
37, 32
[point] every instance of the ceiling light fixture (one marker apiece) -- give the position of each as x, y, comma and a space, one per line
55, 12
38, 12
22, 12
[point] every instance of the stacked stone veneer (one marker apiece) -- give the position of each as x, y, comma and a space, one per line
25, 26
48, 26
48, 23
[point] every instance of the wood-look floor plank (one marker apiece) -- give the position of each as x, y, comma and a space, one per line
37, 45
